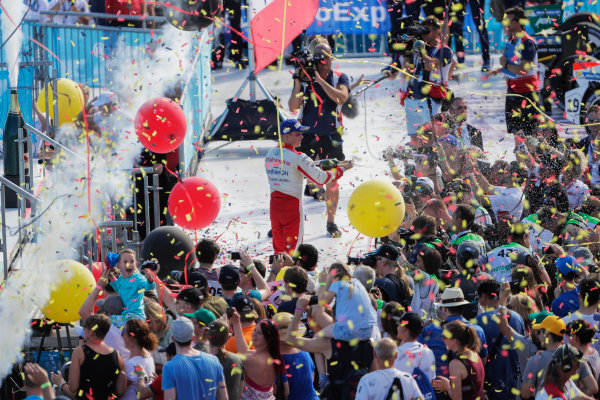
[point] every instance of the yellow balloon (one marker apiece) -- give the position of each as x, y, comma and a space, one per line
376, 208
73, 285
70, 100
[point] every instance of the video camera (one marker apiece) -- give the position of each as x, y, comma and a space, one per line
398, 152
306, 65
413, 190
368, 260
403, 38
150, 264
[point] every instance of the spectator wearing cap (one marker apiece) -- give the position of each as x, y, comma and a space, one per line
299, 366
424, 190
188, 301
201, 319
111, 305
568, 299
233, 364
376, 385
588, 300
585, 259
411, 353
529, 344
557, 383
468, 275
194, 295
197, 279
248, 316
551, 330
286, 169
502, 374
430, 234
229, 278
394, 283
154, 390
191, 374
450, 308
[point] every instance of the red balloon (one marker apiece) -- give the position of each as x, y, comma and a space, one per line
194, 203
160, 125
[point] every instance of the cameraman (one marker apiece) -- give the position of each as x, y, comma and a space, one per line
320, 103
429, 69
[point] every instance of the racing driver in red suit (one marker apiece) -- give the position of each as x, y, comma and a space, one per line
286, 169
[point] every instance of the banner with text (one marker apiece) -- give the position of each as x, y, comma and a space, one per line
362, 17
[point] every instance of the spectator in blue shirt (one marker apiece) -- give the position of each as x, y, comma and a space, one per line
568, 301
503, 373
451, 307
191, 374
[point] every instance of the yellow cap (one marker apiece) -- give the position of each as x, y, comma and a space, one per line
552, 324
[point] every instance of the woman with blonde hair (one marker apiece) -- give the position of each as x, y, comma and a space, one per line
159, 322
466, 369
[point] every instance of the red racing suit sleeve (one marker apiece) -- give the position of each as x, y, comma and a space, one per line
309, 169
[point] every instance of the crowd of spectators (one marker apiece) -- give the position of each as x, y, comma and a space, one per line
489, 288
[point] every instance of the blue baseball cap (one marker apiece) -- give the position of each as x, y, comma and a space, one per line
567, 264
292, 125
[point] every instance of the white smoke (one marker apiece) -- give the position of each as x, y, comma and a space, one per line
15, 10
68, 218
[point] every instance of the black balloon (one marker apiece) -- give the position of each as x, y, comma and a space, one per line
192, 15
171, 246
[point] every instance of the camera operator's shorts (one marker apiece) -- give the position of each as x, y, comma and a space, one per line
417, 113
329, 146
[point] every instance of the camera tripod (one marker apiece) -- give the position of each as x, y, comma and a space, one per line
251, 81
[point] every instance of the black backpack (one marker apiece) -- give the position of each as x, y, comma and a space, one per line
395, 392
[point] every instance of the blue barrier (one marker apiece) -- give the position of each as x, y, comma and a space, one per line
87, 55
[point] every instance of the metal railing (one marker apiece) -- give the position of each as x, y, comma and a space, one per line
86, 54
23, 196
144, 19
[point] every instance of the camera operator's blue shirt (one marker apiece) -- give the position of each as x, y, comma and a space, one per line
438, 75
323, 116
